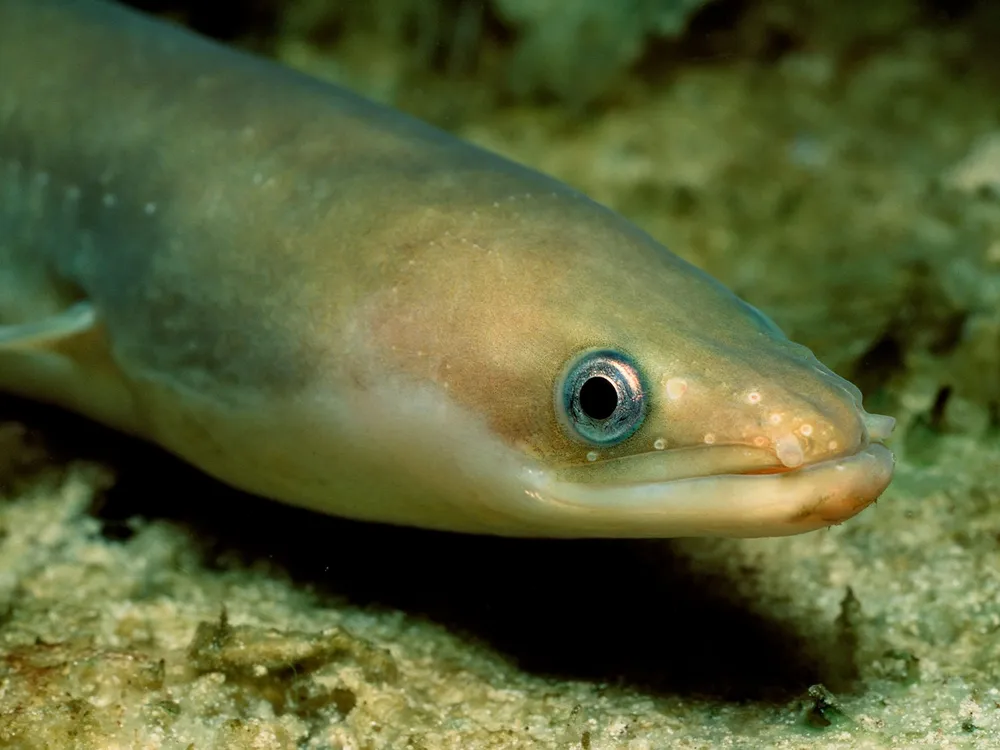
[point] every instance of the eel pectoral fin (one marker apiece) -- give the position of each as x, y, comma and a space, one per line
78, 318
64, 358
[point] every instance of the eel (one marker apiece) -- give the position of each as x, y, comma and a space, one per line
324, 301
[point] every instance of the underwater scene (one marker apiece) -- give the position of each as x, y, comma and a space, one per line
598, 375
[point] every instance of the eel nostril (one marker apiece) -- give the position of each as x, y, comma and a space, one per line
879, 426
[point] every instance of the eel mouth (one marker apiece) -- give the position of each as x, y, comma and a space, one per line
674, 464
740, 492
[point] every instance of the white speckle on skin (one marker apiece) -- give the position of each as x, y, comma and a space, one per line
676, 387
833, 445
659, 444
806, 430
150, 209
753, 397
775, 418
760, 441
789, 450
592, 456
709, 438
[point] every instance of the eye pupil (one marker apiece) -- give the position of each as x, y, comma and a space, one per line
601, 397
598, 398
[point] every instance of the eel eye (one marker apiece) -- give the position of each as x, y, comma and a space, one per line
600, 398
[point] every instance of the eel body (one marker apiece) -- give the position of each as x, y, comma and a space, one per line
324, 301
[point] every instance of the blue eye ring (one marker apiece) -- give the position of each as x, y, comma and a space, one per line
600, 398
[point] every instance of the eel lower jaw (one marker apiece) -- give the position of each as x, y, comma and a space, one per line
778, 503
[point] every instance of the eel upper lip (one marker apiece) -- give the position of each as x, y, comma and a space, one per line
692, 462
